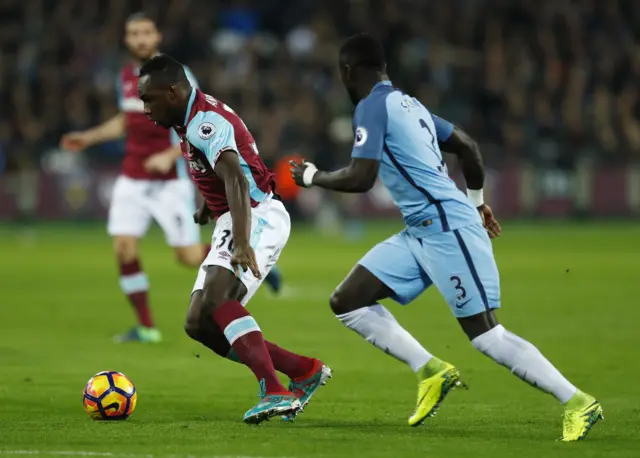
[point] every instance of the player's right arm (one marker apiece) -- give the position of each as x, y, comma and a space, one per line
360, 175
454, 140
113, 129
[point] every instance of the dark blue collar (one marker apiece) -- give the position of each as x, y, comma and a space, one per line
382, 84
192, 97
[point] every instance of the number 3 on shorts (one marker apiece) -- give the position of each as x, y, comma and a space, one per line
462, 293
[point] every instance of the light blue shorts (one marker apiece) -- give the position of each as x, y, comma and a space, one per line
459, 262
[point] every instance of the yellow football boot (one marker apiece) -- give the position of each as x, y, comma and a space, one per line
432, 391
580, 414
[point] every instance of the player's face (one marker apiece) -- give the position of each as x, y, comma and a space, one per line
142, 38
157, 103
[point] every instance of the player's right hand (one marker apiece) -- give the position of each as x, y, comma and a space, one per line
202, 216
489, 221
302, 173
75, 141
244, 257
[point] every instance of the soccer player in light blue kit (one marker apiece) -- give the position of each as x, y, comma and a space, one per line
446, 241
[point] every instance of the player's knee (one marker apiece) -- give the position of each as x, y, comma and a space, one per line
192, 325
339, 302
126, 249
192, 328
479, 324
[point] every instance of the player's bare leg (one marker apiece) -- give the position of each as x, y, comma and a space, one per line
219, 306
135, 285
355, 303
192, 255
524, 360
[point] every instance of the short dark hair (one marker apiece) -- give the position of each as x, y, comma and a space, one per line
140, 16
164, 69
363, 50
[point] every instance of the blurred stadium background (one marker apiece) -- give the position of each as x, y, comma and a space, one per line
548, 88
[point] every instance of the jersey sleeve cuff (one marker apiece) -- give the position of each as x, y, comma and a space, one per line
363, 155
220, 151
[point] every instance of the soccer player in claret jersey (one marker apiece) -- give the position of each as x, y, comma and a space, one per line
444, 243
153, 184
251, 230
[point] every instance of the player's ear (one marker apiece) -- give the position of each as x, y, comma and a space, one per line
347, 72
172, 92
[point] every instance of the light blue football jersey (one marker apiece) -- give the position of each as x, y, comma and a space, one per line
399, 132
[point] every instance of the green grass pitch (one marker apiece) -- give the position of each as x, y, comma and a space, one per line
570, 289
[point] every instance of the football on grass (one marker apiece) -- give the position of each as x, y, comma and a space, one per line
109, 395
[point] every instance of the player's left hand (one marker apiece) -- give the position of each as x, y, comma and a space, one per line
489, 221
244, 257
298, 171
160, 163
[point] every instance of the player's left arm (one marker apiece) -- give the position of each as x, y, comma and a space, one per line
454, 140
163, 161
236, 188
360, 176
215, 137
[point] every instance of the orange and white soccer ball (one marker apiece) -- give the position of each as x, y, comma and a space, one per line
109, 395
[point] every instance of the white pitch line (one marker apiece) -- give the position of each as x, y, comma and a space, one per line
113, 455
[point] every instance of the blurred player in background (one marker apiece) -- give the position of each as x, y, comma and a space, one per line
153, 183
444, 243
252, 228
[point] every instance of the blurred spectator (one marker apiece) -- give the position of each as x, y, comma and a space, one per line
537, 82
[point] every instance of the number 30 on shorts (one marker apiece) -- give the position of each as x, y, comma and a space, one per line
226, 235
